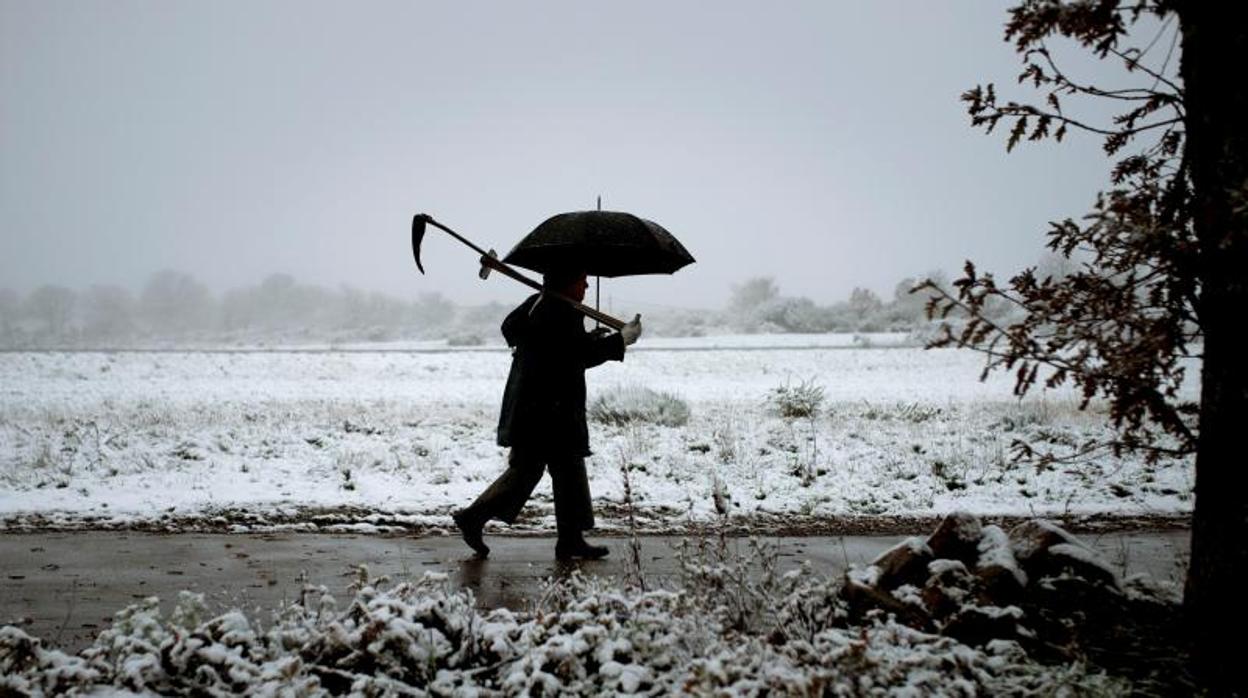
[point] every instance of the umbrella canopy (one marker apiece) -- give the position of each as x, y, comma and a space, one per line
603, 243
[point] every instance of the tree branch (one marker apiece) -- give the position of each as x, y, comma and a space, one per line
1015, 109
1131, 94
1134, 64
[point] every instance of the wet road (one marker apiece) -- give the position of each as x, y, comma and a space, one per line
64, 587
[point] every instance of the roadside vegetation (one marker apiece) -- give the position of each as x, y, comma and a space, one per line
730, 624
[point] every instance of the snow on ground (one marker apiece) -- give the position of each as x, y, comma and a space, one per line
404, 437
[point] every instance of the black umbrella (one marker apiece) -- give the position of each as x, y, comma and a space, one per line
602, 243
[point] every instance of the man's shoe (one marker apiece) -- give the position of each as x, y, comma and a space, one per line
579, 549
471, 531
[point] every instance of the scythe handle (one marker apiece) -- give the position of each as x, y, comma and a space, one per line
429, 219
492, 262
505, 269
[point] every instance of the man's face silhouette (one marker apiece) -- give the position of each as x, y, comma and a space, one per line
576, 288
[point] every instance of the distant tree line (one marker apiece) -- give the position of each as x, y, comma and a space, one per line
757, 306
175, 309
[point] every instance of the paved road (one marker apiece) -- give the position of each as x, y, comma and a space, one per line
64, 587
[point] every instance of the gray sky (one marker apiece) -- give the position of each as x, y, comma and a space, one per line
822, 143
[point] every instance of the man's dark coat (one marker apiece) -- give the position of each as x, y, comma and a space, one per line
544, 403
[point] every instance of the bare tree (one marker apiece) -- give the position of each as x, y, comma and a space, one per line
10, 312
174, 303
1168, 246
864, 309
430, 312
906, 308
52, 306
753, 293
108, 314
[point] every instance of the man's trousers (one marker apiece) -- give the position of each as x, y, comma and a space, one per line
506, 496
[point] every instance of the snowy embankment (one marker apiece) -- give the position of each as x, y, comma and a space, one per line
400, 439
427, 639
732, 627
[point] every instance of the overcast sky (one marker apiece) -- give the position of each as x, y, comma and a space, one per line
822, 143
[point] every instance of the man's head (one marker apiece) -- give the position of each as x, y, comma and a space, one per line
570, 282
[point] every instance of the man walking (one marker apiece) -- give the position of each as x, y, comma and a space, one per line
543, 415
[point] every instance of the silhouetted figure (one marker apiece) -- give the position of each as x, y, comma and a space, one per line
543, 415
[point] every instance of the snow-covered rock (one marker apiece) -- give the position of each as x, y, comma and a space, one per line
949, 586
1044, 549
979, 625
957, 538
976, 579
904, 563
999, 572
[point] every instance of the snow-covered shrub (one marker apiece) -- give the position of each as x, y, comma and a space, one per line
669, 322
917, 412
464, 339
586, 637
743, 587
803, 400
630, 404
925, 333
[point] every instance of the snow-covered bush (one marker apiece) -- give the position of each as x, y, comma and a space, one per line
464, 339
803, 400
741, 579
629, 404
586, 638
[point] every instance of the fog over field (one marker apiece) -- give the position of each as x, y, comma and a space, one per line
174, 309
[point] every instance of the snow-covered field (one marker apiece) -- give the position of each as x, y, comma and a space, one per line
401, 438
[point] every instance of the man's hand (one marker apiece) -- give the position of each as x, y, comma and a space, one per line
631, 330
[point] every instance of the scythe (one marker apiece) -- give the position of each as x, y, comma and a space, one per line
489, 261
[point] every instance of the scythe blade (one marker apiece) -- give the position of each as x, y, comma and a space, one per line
418, 235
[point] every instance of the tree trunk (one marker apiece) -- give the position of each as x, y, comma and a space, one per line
1215, 46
